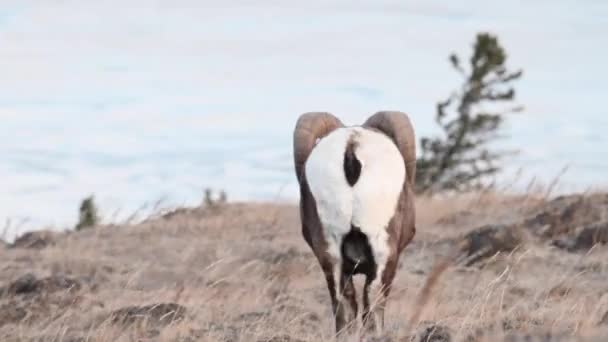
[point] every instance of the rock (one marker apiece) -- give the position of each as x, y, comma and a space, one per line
523, 337
37, 240
298, 311
538, 336
26, 284
11, 313
45, 338
520, 323
458, 218
229, 333
585, 238
156, 314
30, 298
281, 338
249, 318
488, 240
379, 339
276, 257
30, 285
435, 333
604, 320
178, 212
566, 213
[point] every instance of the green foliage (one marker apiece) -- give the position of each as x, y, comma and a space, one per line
211, 202
460, 159
88, 214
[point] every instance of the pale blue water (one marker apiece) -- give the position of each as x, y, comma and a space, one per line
135, 102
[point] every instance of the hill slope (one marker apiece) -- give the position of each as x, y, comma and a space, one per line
242, 272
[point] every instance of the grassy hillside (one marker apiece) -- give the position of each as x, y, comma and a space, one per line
524, 268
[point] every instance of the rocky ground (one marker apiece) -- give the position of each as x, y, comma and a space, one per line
522, 269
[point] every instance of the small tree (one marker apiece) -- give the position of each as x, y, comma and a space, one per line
211, 202
88, 214
460, 159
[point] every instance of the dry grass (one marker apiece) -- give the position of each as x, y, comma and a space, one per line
242, 272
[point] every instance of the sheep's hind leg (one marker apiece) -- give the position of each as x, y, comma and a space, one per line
347, 305
340, 309
380, 287
373, 312
369, 309
328, 270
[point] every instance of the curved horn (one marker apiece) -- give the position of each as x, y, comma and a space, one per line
397, 126
309, 128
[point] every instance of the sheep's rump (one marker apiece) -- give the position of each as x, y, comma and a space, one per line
355, 176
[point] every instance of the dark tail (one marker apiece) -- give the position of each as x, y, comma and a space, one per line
352, 166
357, 254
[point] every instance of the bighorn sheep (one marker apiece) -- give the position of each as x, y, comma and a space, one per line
356, 205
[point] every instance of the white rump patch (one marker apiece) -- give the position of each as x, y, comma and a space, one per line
371, 202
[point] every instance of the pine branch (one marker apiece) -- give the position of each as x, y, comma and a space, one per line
460, 160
